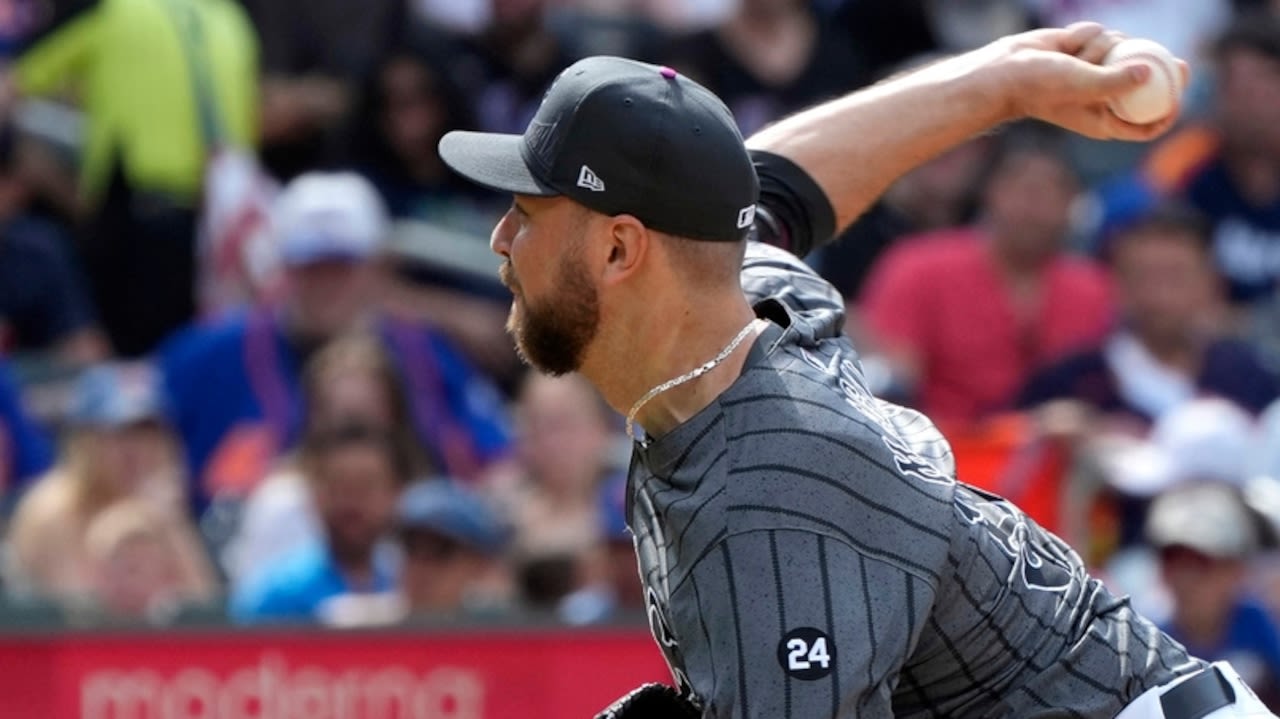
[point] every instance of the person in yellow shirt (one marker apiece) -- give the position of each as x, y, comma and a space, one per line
161, 83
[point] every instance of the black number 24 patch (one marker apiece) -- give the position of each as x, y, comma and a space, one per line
806, 653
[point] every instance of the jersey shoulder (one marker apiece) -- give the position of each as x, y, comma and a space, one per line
810, 449
769, 273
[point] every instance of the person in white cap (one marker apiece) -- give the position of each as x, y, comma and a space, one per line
234, 382
1205, 535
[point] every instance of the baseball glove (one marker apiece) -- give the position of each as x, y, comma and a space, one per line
651, 701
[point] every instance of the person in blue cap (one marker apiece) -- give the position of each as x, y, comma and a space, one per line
119, 446
453, 545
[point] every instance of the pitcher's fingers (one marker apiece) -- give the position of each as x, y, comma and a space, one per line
1099, 46
1077, 35
1088, 83
1120, 130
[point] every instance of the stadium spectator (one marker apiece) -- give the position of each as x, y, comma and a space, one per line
234, 382
564, 436
965, 315
1205, 439
462, 17
1168, 347
414, 98
25, 448
44, 305
18, 24
453, 551
1205, 535
769, 59
315, 56
410, 102
886, 34
1264, 457
136, 570
160, 82
349, 380
118, 447
471, 17
609, 583
510, 63
357, 474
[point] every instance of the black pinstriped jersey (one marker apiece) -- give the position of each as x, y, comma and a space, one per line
772, 273
807, 552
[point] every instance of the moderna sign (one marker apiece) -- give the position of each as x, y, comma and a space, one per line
323, 675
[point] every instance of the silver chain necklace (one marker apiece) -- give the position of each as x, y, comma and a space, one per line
687, 376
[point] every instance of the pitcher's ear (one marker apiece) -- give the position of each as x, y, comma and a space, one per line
628, 246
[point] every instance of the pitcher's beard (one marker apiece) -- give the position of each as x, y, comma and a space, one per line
552, 335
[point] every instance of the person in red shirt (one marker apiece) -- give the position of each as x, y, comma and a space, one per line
963, 316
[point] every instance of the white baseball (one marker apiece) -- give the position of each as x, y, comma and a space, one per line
1156, 98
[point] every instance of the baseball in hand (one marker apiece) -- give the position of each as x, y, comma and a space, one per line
1156, 98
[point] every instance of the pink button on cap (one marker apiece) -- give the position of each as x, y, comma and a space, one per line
667, 72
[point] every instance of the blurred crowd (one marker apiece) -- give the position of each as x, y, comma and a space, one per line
254, 361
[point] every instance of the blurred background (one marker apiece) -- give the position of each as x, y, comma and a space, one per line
265, 448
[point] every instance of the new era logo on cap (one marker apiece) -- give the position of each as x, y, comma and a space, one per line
746, 216
588, 179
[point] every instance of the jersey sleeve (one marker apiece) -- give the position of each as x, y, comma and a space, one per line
793, 212
771, 273
798, 624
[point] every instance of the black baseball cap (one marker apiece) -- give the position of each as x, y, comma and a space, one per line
621, 136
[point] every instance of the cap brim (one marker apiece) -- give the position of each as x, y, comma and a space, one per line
477, 540
492, 160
